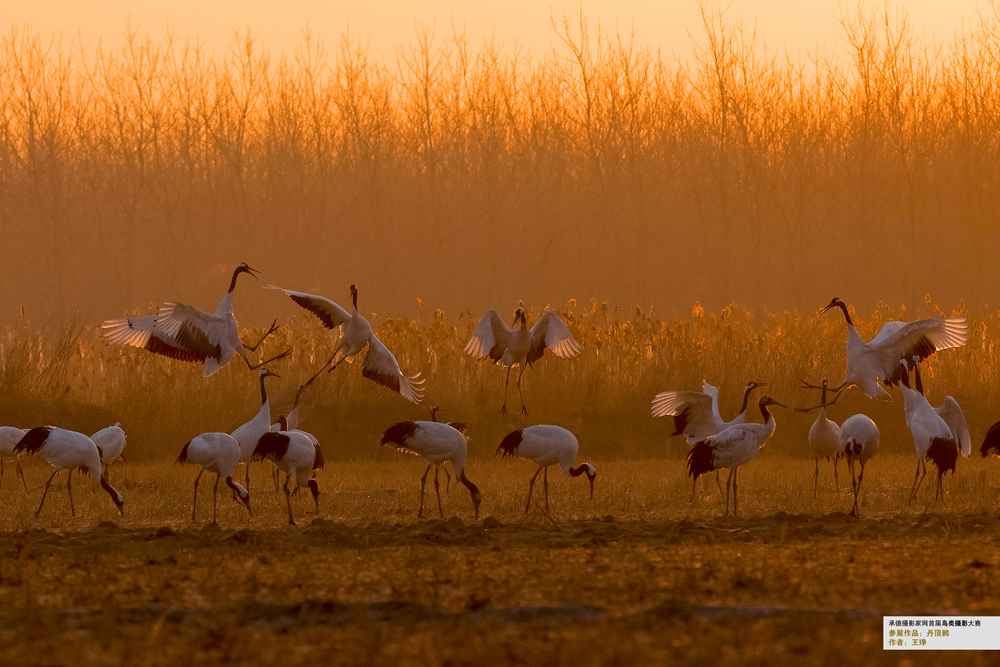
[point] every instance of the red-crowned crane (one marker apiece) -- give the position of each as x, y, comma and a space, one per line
295, 453
66, 450
435, 443
111, 441
249, 433
189, 334
877, 361
519, 346
9, 437
860, 441
696, 414
546, 445
731, 448
380, 366
932, 437
824, 435
218, 453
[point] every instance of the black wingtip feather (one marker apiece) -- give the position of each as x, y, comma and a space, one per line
991, 443
700, 459
33, 440
399, 433
944, 453
318, 459
183, 458
510, 443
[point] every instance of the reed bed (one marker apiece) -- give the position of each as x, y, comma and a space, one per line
73, 380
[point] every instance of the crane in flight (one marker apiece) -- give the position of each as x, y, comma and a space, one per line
189, 334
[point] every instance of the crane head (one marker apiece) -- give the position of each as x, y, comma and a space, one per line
835, 303
753, 385
767, 400
519, 315
354, 295
245, 268
264, 373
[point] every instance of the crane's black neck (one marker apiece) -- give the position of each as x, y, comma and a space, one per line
847, 316
236, 274
282, 423
764, 413
434, 411
746, 398
354, 297
263, 392
920, 385
904, 379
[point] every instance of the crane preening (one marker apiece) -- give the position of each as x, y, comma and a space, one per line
876, 361
189, 334
380, 366
218, 453
519, 346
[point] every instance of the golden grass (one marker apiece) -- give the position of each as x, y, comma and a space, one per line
368, 583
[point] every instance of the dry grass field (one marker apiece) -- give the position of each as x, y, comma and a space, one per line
635, 576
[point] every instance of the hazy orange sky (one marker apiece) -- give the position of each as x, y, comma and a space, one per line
797, 24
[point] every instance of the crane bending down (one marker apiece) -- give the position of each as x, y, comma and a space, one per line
546, 445
218, 453
297, 454
731, 448
436, 443
932, 437
66, 450
877, 361
696, 414
9, 437
189, 334
860, 442
461, 427
519, 346
380, 366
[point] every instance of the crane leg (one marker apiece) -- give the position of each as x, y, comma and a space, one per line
215, 499
447, 476
274, 327
836, 480
506, 384
923, 473
278, 357
717, 482
736, 498
45, 493
1, 473
524, 410
194, 503
69, 489
913, 490
21, 473
276, 475
288, 499
423, 484
545, 485
437, 490
531, 485
729, 483
816, 483
854, 488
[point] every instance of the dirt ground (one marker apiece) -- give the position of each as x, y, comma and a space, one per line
722, 591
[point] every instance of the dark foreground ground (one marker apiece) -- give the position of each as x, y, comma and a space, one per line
785, 588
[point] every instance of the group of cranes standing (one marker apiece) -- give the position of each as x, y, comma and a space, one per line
939, 434
186, 333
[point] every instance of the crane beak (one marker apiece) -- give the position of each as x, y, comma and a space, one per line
253, 272
780, 405
828, 307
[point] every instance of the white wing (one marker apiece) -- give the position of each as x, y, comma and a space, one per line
194, 329
143, 332
953, 416
550, 332
381, 367
921, 338
329, 313
489, 338
692, 413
